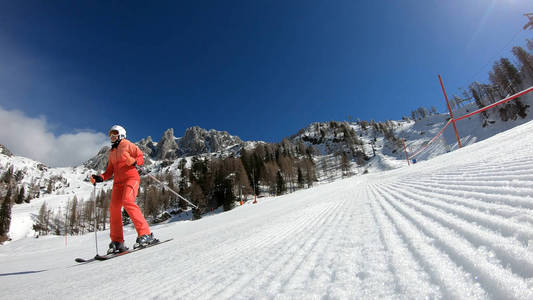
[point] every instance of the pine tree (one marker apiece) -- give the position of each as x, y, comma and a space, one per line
57, 223
363, 124
300, 179
457, 100
73, 220
280, 184
229, 197
422, 112
28, 197
529, 24
476, 94
269, 176
182, 164
106, 200
242, 183
512, 75
499, 80
50, 187
324, 166
529, 44
310, 171
5, 216
198, 198
20, 196
286, 164
183, 190
172, 200
32, 189
525, 59
125, 217
88, 215
42, 220
8, 175
345, 164
19, 175
151, 202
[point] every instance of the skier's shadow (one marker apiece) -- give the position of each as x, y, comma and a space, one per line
20, 273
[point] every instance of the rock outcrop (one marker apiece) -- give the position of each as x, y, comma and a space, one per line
5, 151
198, 141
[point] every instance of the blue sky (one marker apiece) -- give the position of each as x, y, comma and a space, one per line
257, 69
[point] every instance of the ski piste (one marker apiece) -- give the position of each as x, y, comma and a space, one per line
113, 255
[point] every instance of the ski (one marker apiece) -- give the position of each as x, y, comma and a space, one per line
113, 255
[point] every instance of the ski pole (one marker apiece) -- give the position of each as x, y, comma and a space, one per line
172, 190
95, 220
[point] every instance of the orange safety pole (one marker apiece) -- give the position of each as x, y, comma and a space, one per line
512, 97
255, 199
405, 150
451, 114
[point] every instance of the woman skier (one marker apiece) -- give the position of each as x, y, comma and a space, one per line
124, 158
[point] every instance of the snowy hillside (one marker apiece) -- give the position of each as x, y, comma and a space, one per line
53, 186
470, 130
376, 154
458, 226
382, 153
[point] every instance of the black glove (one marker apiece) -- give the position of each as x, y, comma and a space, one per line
141, 171
97, 178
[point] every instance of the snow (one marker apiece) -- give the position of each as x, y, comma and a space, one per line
469, 129
23, 215
457, 226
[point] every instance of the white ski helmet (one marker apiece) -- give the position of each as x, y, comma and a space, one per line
120, 129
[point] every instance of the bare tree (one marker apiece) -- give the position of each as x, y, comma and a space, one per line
269, 176
345, 164
529, 24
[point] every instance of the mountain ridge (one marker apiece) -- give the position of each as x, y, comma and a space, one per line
337, 149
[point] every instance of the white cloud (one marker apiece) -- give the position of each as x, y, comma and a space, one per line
32, 138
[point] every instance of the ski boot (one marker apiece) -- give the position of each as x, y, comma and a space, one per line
145, 240
116, 247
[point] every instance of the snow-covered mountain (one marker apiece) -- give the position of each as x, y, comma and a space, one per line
372, 147
457, 226
195, 141
55, 186
377, 145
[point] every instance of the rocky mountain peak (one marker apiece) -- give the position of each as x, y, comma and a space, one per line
198, 140
147, 146
5, 151
167, 148
99, 162
146, 141
195, 141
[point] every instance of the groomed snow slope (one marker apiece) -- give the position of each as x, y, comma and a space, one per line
456, 227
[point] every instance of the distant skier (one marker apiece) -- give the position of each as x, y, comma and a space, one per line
124, 158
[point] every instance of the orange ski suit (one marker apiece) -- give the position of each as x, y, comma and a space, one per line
125, 188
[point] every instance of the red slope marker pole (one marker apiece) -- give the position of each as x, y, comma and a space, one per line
451, 114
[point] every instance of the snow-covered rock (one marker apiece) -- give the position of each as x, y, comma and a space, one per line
198, 140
